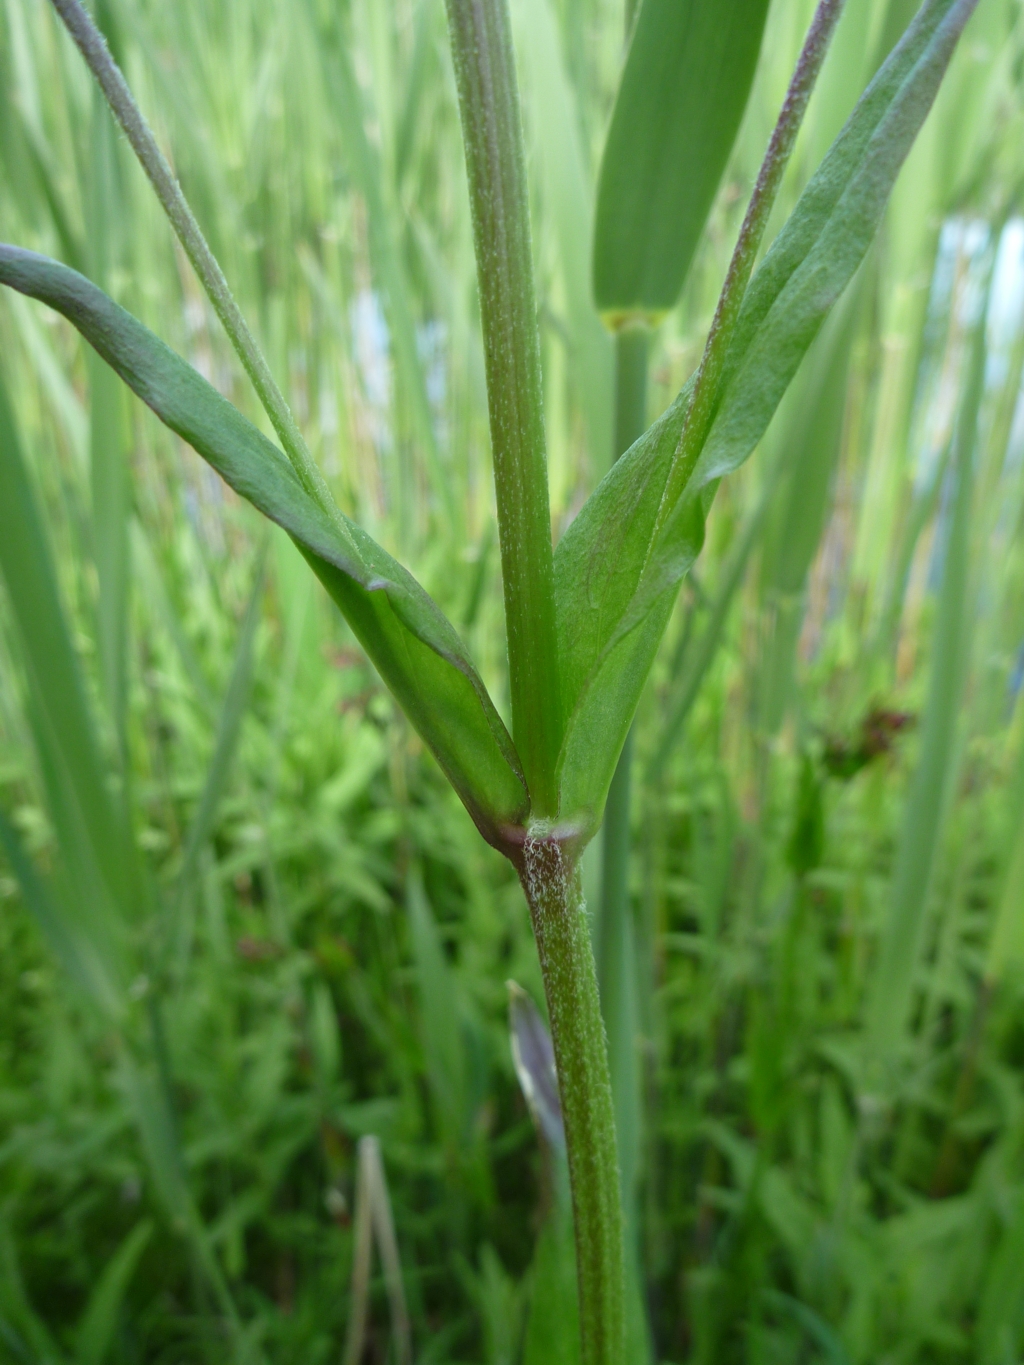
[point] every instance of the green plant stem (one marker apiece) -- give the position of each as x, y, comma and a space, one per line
492, 131
92, 45
551, 881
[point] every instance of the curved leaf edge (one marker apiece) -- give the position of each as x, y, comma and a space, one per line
889, 113
259, 472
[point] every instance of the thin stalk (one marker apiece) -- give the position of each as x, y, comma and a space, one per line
492, 131
92, 45
730, 302
551, 880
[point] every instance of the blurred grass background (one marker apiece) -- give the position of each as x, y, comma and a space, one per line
243, 921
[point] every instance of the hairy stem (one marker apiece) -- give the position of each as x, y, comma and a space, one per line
551, 881
492, 131
90, 42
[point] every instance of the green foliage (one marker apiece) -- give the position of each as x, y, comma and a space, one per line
618, 567
320, 942
412, 644
680, 100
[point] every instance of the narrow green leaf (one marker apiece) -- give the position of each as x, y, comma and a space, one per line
1006, 947
148, 1098
1001, 1311
927, 803
75, 949
99, 1321
414, 647
90, 821
552, 1329
615, 582
21, 1327
682, 95
229, 725
442, 1027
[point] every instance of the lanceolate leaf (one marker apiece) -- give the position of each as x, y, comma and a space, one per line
680, 101
413, 645
615, 581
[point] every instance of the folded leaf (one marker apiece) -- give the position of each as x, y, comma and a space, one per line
615, 579
414, 647
682, 95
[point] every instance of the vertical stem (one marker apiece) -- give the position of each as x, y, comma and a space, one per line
551, 881
492, 131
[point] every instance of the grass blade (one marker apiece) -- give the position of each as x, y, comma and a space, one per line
93, 826
893, 985
95, 1335
680, 101
229, 725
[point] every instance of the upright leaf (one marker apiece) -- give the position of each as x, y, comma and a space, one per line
927, 802
98, 1324
91, 822
615, 582
680, 101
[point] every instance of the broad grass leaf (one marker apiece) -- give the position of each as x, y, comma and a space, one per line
412, 644
680, 101
615, 578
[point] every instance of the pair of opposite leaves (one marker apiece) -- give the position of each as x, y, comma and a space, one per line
619, 565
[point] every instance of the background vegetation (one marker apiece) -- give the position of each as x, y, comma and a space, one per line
828, 871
